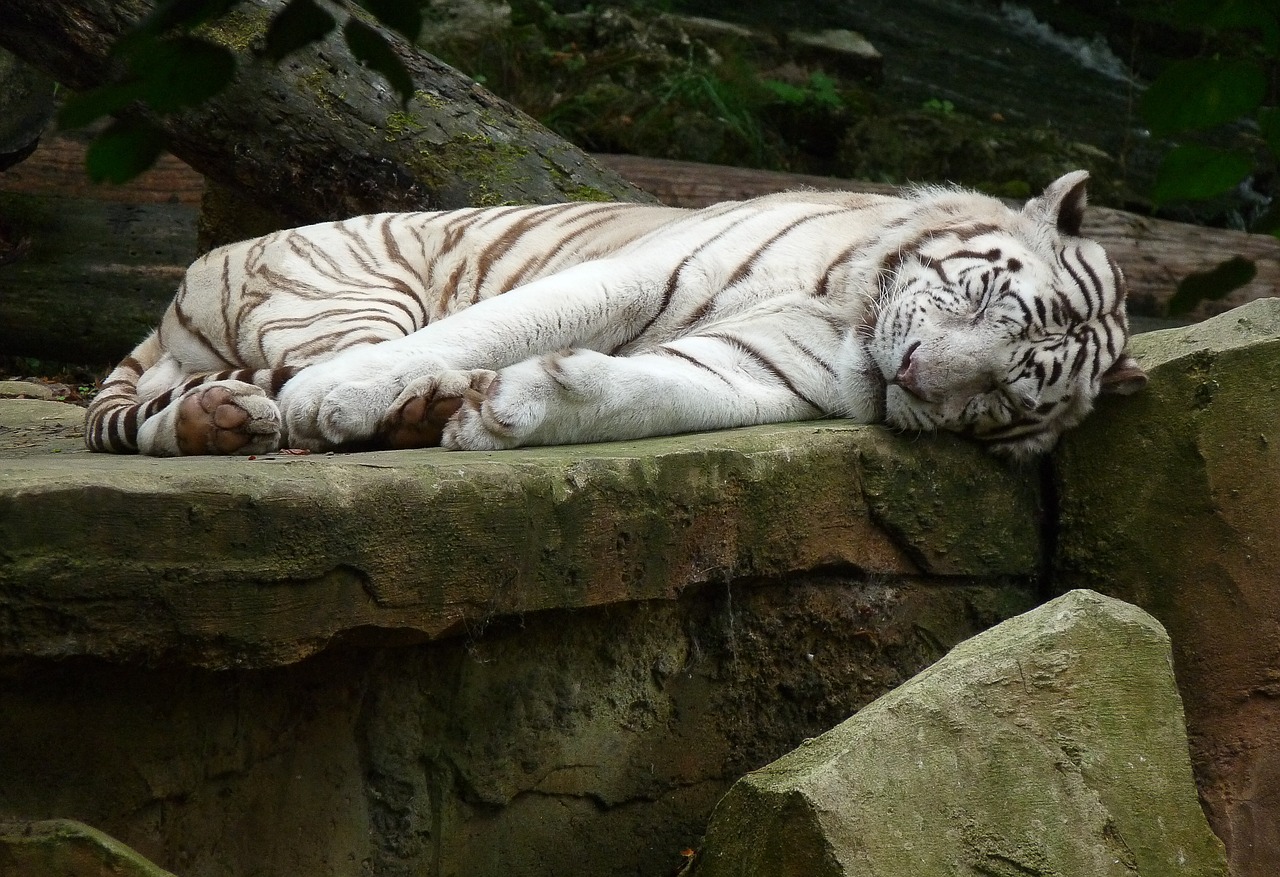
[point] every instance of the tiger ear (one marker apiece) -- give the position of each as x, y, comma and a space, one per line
1124, 378
1062, 203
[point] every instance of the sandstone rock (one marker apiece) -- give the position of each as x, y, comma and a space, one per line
1172, 501
567, 743
1050, 744
66, 848
845, 51
34, 427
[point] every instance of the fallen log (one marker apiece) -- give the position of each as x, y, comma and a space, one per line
102, 261
1155, 254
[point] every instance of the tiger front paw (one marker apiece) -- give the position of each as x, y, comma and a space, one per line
420, 415
342, 402
530, 403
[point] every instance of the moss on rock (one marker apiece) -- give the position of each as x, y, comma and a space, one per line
1171, 500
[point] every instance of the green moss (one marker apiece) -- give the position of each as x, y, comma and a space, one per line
588, 193
487, 165
318, 82
238, 29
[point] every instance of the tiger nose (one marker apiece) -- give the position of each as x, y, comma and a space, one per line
908, 376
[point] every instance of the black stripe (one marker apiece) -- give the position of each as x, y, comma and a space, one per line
693, 360
766, 363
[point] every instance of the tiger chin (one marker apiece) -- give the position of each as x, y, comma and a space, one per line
493, 328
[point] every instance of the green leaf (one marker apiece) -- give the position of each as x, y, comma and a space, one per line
89, 106
785, 91
127, 148
369, 47
1191, 95
182, 71
1269, 126
1211, 285
300, 23
402, 16
1196, 172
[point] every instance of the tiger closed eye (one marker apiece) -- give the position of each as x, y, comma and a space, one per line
1025, 401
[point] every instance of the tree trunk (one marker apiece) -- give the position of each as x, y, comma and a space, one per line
319, 136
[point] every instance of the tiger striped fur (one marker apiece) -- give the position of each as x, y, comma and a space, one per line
499, 327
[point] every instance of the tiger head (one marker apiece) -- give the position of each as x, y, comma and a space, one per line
998, 324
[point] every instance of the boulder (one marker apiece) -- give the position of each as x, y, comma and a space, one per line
1172, 502
1050, 744
66, 848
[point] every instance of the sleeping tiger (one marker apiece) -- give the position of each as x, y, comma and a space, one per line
499, 327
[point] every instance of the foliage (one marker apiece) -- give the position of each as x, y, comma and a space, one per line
1233, 85
1195, 102
171, 63
643, 82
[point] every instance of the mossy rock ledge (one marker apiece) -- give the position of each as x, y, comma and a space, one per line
541, 662
247, 563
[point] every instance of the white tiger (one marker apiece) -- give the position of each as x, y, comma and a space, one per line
508, 326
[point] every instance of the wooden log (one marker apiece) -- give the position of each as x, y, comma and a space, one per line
94, 278
102, 261
1155, 254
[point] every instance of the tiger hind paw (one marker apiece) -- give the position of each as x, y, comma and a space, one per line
227, 417
514, 408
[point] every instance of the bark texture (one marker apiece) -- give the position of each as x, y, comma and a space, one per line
319, 136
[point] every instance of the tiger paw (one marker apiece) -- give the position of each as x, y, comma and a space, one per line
346, 400
515, 406
227, 417
418, 417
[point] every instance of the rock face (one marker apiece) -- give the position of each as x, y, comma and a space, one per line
523, 664
1173, 503
1050, 744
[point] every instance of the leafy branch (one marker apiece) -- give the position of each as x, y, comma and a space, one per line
168, 65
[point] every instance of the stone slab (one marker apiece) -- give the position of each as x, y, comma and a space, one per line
1052, 743
255, 562
1171, 501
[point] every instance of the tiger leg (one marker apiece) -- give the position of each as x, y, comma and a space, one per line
149, 404
581, 395
600, 304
